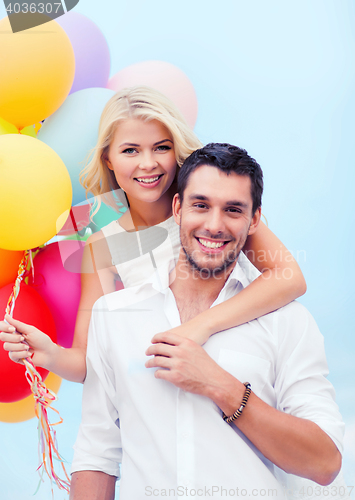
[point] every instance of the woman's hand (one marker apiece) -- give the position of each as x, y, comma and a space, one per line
23, 341
193, 331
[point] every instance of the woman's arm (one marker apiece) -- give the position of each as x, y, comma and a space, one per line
96, 279
281, 282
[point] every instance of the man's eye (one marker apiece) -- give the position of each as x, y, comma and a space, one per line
200, 205
129, 151
234, 210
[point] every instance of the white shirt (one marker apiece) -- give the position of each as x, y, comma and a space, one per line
168, 438
136, 254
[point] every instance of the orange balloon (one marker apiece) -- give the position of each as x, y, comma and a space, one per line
9, 263
23, 410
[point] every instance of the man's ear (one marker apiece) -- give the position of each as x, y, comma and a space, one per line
177, 209
255, 221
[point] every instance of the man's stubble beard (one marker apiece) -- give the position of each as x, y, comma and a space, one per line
230, 259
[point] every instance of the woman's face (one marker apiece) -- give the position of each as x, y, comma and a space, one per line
142, 157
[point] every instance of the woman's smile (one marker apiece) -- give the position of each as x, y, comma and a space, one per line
142, 157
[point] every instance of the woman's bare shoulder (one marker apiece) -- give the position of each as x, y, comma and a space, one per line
97, 251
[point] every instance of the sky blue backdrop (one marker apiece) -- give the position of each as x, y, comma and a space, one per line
276, 78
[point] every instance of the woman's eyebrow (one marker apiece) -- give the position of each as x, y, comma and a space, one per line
164, 140
137, 145
129, 144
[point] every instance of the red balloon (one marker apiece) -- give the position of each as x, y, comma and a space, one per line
32, 309
57, 280
78, 219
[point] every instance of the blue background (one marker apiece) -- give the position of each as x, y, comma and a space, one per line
276, 78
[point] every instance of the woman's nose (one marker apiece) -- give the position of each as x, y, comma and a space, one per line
148, 161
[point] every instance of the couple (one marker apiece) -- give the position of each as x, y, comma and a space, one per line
240, 416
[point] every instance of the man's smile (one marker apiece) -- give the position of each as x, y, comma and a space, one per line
213, 246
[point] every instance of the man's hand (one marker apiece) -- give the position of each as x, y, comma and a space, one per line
188, 366
192, 331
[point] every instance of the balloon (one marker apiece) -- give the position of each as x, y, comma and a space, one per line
72, 131
29, 308
9, 263
92, 55
35, 192
162, 76
7, 128
58, 287
78, 219
37, 72
24, 409
30, 130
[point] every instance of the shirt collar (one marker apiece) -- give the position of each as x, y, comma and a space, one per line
159, 280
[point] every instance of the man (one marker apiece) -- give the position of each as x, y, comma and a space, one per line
162, 418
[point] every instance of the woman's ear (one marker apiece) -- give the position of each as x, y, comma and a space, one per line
177, 208
107, 161
255, 221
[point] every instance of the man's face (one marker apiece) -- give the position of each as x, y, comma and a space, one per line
215, 219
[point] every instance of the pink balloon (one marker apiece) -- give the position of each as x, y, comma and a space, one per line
58, 287
92, 55
162, 76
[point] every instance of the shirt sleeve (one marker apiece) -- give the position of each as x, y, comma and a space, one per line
301, 384
98, 445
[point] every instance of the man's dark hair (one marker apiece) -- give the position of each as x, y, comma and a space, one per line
229, 159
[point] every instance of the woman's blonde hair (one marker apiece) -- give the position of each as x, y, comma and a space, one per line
143, 103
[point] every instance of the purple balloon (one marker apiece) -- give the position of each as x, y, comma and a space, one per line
92, 55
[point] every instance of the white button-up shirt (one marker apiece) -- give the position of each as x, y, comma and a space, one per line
172, 443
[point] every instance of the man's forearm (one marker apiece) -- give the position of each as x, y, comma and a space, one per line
92, 485
294, 444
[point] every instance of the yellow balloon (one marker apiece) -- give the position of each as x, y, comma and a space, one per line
7, 128
30, 130
22, 410
37, 72
35, 191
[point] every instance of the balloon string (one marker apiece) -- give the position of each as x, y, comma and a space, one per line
16, 288
43, 398
32, 266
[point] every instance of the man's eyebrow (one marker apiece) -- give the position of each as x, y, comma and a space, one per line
200, 197
237, 204
230, 203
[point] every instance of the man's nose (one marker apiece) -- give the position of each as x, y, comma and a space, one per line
214, 222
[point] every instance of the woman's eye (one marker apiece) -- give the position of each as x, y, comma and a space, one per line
129, 151
163, 147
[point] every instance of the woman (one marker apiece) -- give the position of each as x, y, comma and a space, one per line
143, 139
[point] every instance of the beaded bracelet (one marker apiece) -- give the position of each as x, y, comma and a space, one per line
237, 413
